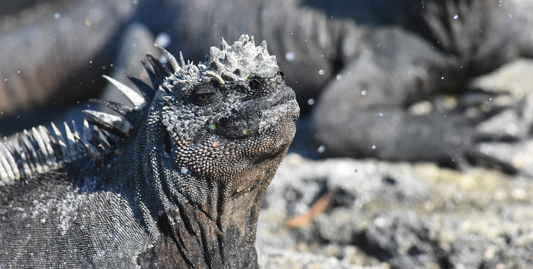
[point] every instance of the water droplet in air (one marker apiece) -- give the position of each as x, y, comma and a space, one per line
442, 78
339, 77
456, 17
510, 16
373, 146
290, 56
321, 149
356, 170
381, 114
57, 16
162, 39
311, 101
321, 72
363, 92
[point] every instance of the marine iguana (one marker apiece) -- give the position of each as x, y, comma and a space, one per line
176, 181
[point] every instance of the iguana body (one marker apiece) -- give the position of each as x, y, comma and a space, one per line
181, 188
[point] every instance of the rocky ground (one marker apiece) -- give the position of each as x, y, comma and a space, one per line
346, 213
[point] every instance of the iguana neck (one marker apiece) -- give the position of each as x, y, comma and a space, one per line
219, 234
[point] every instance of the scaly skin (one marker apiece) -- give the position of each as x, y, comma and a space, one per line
181, 188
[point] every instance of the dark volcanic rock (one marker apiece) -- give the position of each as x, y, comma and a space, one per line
400, 215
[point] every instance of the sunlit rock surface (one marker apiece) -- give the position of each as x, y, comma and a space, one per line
399, 215
405, 215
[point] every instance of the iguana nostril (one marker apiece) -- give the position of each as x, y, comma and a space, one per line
223, 121
256, 84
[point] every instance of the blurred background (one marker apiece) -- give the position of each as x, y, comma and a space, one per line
414, 148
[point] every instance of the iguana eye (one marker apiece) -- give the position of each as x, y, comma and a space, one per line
202, 98
203, 95
256, 84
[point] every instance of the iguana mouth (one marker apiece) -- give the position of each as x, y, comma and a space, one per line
269, 156
255, 115
281, 97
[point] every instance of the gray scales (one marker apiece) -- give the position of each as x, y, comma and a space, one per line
175, 181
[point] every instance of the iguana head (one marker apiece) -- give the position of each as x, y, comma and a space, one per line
238, 97
222, 117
